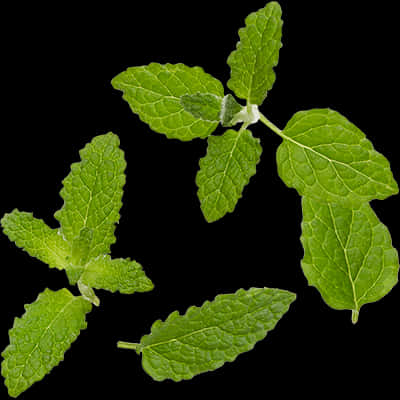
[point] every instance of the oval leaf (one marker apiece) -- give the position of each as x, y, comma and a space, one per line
348, 254
40, 338
325, 156
256, 55
154, 93
224, 172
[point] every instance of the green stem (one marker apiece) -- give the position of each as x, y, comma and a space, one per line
354, 316
270, 125
127, 345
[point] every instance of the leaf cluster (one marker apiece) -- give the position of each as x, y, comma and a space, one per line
92, 196
348, 254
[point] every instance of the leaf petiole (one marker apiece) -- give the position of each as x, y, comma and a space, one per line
270, 125
128, 345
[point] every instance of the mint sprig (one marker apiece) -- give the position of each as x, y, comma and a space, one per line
206, 337
324, 156
92, 196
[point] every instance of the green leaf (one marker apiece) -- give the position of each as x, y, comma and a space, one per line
40, 338
92, 194
154, 93
205, 338
325, 156
230, 111
81, 247
205, 106
224, 172
88, 294
348, 254
102, 272
36, 238
256, 54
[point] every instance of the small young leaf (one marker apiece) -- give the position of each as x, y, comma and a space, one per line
88, 294
226, 169
102, 272
40, 338
92, 194
36, 238
208, 336
257, 53
205, 106
325, 156
348, 254
154, 93
230, 111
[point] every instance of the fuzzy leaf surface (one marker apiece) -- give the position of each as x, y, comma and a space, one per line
205, 106
40, 338
348, 254
226, 169
154, 92
230, 111
115, 275
208, 336
325, 156
36, 238
256, 54
92, 194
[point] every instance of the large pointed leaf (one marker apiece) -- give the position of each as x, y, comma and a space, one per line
348, 254
325, 156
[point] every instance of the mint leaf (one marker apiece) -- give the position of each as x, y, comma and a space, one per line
230, 111
92, 199
122, 275
40, 338
205, 106
256, 54
325, 156
154, 92
208, 336
348, 254
92, 194
36, 238
224, 172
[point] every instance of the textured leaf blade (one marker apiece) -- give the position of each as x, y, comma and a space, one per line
208, 336
226, 169
40, 338
325, 156
230, 111
36, 238
256, 54
348, 254
122, 275
154, 93
205, 106
92, 194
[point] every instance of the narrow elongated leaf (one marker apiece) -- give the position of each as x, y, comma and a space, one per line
256, 55
224, 172
40, 338
92, 194
208, 336
154, 93
325, 156
36, 238
102, 272
348, 254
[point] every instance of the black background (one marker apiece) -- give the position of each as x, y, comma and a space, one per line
57, 65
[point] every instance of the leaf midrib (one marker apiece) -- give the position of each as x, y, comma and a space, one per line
288, 138
41, 336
